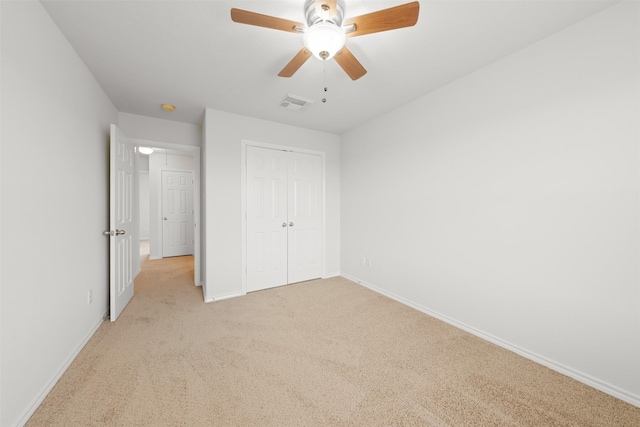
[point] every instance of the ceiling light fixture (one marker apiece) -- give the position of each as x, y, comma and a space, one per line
169, 108
324, 34
145, 150
324, 39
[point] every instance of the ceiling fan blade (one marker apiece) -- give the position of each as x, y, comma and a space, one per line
405, 15
330, 4
350, 64
297, 61
252, 18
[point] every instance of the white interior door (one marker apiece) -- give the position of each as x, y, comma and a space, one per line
121, 222
305, 217
284, 217
177, 213
266, 218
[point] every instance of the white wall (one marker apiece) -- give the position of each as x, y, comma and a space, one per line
143, 162
143, 194
223, 139
144, 205
54, 172
152, 129
159, 162
508, 202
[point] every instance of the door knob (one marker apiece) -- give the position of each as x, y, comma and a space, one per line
284, 224
290, 224
108, 233
165, 218
120, 232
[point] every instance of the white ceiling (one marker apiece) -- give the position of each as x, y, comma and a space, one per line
190, 53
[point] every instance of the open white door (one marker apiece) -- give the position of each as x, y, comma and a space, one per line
121, 222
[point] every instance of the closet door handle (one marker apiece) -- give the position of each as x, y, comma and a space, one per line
290, 224
284, 224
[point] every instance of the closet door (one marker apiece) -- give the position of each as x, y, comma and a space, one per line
284, 217
305, 217
267, 220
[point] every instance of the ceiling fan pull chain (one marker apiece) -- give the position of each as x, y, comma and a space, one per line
324, 81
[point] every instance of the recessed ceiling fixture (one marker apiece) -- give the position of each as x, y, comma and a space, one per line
145, 150
169, 108
325, 32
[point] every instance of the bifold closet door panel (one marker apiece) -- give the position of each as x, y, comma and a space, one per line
267, 218
305, 217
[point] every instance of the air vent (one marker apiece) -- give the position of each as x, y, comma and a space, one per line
295, 103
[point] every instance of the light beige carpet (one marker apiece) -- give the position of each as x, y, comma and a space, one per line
320, 353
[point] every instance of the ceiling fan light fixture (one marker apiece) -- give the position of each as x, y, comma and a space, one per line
324, 39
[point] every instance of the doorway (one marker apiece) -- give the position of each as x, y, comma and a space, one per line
161, 158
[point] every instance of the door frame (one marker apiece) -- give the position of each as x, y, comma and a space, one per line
194, 151
243, 191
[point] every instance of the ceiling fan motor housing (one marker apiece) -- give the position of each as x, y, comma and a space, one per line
312, 16
324, 36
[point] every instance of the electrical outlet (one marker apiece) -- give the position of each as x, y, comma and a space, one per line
369, 262
89, 297
363, 261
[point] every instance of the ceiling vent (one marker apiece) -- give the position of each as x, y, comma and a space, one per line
295, 103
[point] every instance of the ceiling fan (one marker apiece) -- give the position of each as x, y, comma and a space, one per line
325, 34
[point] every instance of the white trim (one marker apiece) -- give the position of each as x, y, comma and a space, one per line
195, 151
243, 189
35, 403
243, 213
603, 386
223, 297
330, 275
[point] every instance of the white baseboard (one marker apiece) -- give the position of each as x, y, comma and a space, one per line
603, 386
330, 275
22, 420
223, 297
